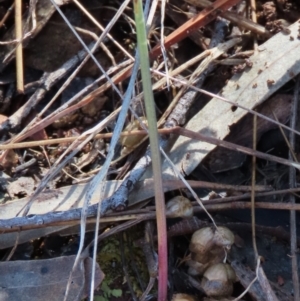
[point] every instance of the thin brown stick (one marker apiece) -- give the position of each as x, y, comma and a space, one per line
12, 251
247, 205
254, 19
248, 196
64, 140
5, 17
294, 157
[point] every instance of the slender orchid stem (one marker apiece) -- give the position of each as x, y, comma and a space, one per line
155, 152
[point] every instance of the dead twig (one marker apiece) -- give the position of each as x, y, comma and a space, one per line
151, 258
292, 184
5, 17
204, 17
65, 217
234, 18
253, 180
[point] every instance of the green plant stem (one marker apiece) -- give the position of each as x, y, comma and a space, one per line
19, 47
155, 152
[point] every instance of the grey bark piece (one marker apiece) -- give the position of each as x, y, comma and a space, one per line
245, 276
45, 279
222, 159
276, 62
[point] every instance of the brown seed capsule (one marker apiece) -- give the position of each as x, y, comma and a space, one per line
179, 206
218, 280
224, 238
202, 240
205, 239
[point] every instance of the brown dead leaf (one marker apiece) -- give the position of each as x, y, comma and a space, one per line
22, 186
40, 135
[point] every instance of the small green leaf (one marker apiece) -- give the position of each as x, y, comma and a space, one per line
104, 286
116, 292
